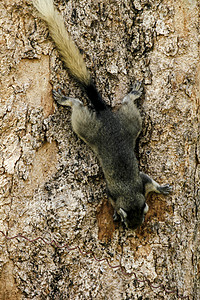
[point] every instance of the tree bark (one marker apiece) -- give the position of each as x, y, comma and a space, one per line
52, 192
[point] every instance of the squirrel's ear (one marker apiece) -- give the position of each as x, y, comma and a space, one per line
146, 208
122, 214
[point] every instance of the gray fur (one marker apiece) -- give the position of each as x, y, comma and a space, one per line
151, 185
112, 136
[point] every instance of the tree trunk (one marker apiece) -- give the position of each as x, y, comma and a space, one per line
52, 190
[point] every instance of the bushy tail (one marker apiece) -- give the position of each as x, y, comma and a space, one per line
68, 50
65, 45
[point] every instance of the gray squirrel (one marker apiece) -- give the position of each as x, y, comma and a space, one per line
111, 135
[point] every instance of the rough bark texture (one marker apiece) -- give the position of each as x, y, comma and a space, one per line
51, 185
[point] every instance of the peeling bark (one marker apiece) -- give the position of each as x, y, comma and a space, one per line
51, 185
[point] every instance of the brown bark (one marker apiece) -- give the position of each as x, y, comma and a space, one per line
51, 185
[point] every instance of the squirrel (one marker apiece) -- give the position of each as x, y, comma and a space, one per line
110, 134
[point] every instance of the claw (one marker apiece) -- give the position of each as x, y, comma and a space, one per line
136, 91
137, 88
115, 216
165, 189
61, 98
57, 95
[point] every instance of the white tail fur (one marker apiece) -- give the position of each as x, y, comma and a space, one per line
65, 45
